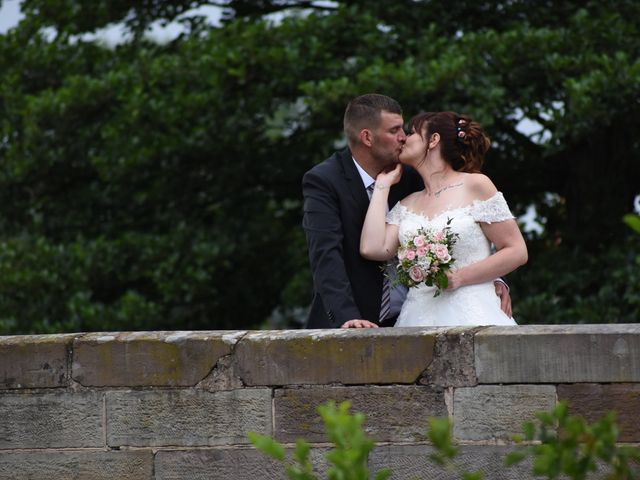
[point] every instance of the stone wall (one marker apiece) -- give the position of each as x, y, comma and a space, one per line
178, 405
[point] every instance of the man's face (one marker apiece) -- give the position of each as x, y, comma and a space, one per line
388, 138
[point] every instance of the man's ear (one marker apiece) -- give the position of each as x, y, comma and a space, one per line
366, 137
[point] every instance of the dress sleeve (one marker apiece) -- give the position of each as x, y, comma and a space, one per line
494, 209
396, 214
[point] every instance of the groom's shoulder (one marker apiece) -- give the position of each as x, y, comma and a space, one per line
330, 165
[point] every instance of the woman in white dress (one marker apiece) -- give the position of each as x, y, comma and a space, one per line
447, 150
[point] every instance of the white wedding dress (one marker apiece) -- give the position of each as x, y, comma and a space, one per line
470, 305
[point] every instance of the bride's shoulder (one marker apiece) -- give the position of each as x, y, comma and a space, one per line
480, 186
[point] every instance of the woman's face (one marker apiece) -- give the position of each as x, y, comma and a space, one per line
414, 149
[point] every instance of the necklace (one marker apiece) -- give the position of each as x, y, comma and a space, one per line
444, 189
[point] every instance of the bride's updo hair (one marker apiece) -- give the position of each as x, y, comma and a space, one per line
463, 143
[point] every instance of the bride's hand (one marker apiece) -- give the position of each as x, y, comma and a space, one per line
389, 176
455, 280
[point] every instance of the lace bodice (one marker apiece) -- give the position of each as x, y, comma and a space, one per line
472, 245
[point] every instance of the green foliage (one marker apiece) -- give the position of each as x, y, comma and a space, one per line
268, 446
352, 446
445, 452
579, 285
569, 446
348, 457
633, 221
151, 186
561, 446
302, 469
131, 170
440, 437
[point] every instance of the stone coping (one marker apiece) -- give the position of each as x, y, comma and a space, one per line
215, 360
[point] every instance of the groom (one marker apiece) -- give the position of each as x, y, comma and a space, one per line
348, 289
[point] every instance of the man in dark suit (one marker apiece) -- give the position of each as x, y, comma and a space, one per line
348, 289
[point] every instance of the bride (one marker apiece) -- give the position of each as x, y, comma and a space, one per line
447, 150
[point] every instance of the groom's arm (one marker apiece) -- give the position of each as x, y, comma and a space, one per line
323, 228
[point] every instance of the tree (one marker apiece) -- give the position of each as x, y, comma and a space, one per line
149, 186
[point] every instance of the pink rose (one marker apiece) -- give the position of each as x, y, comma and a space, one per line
421, 251
411, 254
438, 236
442, 252
416, 274
418, 241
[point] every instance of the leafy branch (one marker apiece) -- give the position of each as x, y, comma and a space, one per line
348, 457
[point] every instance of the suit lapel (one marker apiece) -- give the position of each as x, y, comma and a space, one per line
354, 180
356, 188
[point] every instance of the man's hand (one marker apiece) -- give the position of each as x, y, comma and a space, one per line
359, 323
505, 299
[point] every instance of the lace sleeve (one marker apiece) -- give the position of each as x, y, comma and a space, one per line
396, 214
494, 209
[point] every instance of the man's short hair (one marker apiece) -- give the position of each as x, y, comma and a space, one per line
364, 112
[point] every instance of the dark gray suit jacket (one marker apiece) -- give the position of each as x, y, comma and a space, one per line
345, 285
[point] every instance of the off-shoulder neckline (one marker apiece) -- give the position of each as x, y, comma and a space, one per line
449, 210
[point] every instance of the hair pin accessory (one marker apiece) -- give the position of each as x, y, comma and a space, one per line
459, 128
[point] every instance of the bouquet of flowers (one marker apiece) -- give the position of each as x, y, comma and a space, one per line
426, 257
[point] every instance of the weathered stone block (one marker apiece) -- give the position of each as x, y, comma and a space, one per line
216, 464
394, 413
149, 358
593, 401
454, 359
347, 356
77, 465
34, 361
223, 377
558, 354
186, 417
52, 420
225, 464
489, 412
412, 462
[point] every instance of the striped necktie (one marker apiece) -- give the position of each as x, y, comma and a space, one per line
385, 302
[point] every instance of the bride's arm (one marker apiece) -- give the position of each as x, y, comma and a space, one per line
511, 252
379, 240
511, 249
